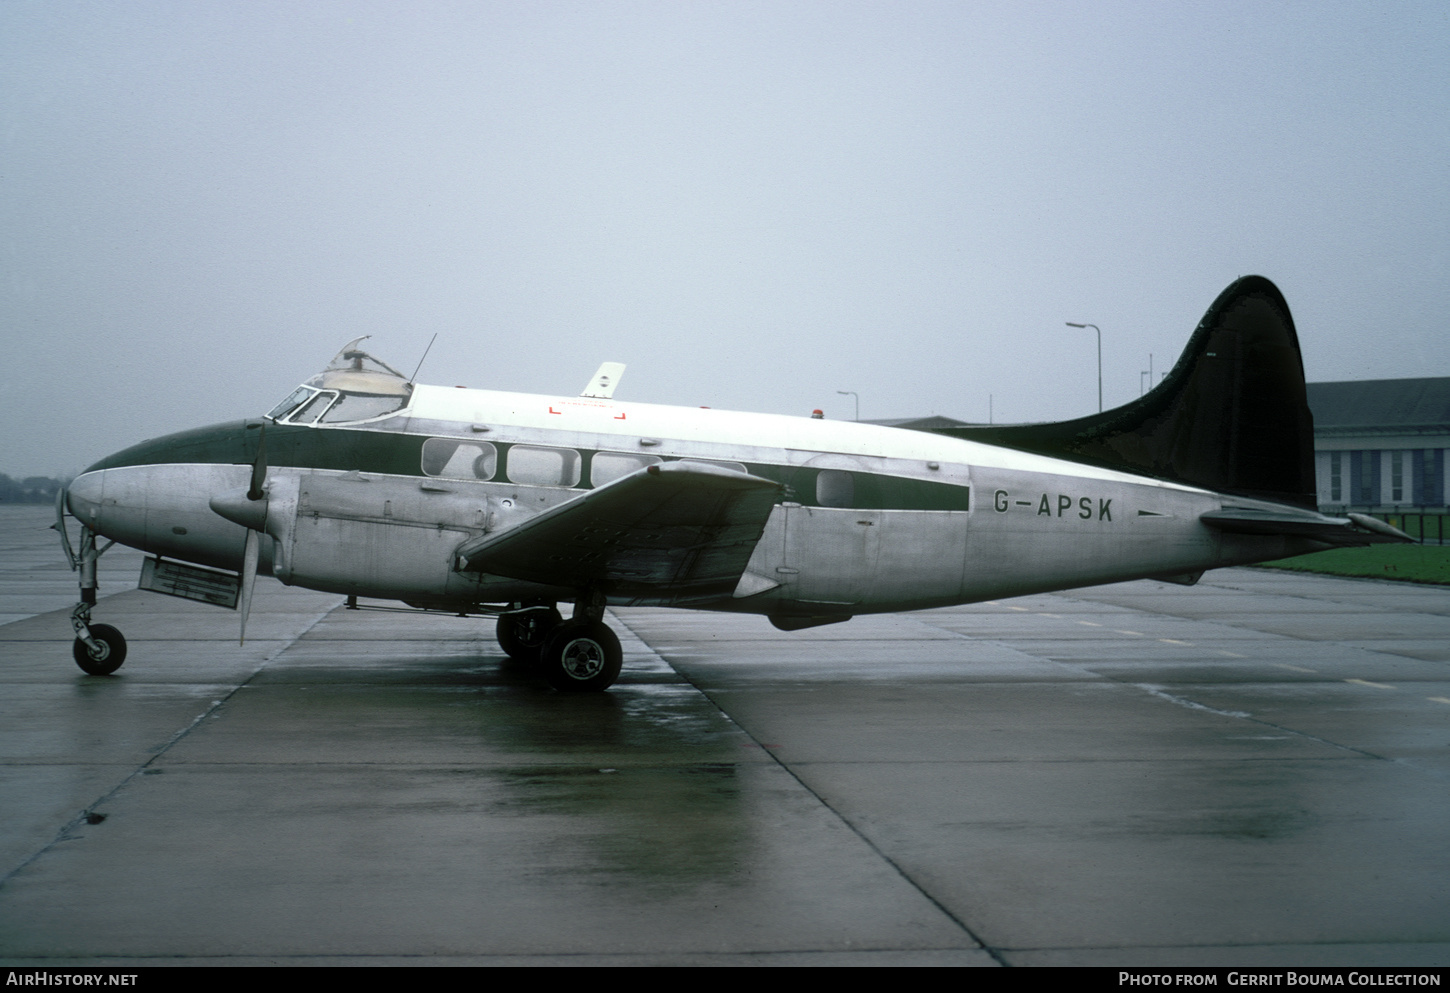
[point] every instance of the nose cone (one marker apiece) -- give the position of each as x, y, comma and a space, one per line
112, 503
83, 497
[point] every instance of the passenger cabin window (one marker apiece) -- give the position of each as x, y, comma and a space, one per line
454, 459
606, 467
835, 488
539, 466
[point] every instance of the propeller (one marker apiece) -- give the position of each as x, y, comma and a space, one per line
259, 467
249, 579
255, 493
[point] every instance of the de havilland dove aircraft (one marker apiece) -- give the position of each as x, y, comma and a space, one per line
364, 483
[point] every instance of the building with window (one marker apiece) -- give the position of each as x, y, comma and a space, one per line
1380, 444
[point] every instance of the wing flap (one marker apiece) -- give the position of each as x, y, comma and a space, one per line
678, 532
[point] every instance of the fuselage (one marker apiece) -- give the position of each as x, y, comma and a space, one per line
870, 518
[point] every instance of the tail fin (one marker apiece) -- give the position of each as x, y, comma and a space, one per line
1231, 416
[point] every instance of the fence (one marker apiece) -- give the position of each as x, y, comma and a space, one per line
1427, 529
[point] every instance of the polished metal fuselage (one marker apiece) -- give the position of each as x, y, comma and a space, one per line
1020, 524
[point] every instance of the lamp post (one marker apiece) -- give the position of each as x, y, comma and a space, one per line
1100, 358
852, 393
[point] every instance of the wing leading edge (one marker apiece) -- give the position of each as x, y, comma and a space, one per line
677, 533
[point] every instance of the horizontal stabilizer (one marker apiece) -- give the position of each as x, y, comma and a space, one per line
679, 532
1356, 529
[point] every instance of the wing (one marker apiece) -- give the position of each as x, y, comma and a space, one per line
679, 532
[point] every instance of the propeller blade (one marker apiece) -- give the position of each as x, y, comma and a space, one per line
249, 580
259, 467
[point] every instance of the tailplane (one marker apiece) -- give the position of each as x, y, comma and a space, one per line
1231, 416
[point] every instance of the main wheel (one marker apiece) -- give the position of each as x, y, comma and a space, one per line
522, 636
582, 656
108, 659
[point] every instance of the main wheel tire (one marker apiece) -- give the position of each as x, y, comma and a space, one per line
523, 636
582, 657
108, 659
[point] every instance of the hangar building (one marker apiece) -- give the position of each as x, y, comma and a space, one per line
1379, 444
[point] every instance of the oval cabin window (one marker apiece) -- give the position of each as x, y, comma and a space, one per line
539, 466
454, 459
605, 467
835, 488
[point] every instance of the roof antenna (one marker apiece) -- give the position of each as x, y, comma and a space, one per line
414, 378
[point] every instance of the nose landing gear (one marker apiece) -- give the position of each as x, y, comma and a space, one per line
106, 656
99, 649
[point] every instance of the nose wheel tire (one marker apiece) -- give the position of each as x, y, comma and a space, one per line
582, 657
522, 636
112, 651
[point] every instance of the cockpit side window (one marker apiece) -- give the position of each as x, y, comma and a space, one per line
361, 406
282, 409
312, 409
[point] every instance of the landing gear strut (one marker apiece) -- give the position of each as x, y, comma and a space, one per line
522, 634
99, 649
582, 655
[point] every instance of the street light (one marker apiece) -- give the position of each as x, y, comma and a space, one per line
852, 393
1100, 358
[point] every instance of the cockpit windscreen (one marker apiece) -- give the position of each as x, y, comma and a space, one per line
355, 386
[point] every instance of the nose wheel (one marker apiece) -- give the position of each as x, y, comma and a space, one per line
106, 656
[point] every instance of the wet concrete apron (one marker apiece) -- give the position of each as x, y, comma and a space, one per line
1254, 771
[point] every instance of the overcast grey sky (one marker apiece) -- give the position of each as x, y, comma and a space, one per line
754, 205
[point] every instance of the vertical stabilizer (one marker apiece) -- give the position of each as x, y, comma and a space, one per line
1231, 416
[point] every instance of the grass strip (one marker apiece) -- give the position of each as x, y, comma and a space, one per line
1408, 563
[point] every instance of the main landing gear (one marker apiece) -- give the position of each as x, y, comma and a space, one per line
578, 655
522, 633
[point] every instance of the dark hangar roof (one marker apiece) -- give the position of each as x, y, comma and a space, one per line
929, 423
1397, 405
